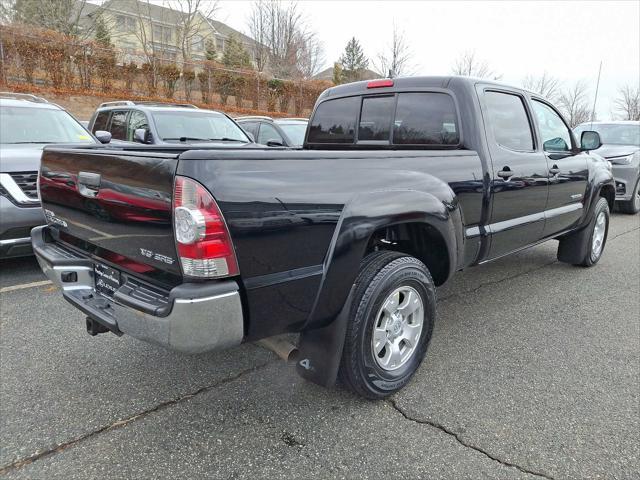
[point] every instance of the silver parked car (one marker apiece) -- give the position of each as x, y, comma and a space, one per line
621, 146
27, 124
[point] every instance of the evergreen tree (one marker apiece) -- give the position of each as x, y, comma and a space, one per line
102, 33
235, 54
210, 50
353, 61
338, 74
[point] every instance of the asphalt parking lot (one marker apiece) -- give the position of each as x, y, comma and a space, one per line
533, 372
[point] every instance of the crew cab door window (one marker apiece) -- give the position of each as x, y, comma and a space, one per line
375, 118
425, 119
267, 133
118, 127
509, 121
554, 132
334, 121
136, 120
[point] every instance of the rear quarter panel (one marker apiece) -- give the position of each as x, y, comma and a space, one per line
283, 209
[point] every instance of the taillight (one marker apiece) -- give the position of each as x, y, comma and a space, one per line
380, 83
203, 241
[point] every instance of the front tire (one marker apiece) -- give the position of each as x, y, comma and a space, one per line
391, 323
585, 247
632, 206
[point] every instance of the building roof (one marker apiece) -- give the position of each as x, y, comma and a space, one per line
225, 30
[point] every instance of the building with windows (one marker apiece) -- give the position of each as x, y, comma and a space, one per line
139, 29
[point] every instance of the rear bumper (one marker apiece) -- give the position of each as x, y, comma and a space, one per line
191, 318
15, 224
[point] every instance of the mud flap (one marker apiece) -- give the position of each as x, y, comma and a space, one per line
320, 350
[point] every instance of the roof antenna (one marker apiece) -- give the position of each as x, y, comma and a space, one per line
595, 99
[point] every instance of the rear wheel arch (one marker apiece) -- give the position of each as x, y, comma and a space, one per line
418, 239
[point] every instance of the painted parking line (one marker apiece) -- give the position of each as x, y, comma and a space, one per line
25, 285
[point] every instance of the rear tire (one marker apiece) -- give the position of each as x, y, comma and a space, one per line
391, 322
585, 247
632, 206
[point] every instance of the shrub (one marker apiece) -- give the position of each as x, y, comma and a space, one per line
170, 75
188, 76
223, 85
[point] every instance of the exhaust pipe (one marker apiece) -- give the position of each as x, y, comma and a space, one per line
94, 327
281, 347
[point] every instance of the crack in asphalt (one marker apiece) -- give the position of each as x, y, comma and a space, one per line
38, 455
539, 267
458, 439
122, 423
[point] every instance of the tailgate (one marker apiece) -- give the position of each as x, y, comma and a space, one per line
115, 205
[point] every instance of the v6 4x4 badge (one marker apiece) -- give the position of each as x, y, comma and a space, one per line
156, 256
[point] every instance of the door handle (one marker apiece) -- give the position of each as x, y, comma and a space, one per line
554, 170
505, 173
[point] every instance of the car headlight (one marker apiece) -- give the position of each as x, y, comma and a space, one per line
626, 160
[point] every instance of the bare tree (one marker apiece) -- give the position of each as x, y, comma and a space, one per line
628, 102
469, 65
545, 85
193, 12
396, 59
310, 56
283, 39
259, 31
575, 104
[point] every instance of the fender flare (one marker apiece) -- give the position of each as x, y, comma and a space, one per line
322, 337
600, 179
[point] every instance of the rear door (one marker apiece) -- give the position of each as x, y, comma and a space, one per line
519, 172
568, 170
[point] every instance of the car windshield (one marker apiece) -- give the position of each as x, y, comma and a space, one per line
40, 125
613, 133
295, 132
196, 126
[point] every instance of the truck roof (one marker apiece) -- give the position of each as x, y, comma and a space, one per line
356, 88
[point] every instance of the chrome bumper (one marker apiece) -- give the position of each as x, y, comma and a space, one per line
194, 318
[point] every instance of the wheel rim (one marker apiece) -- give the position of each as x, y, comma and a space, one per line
398, 327
636, 199
598, 235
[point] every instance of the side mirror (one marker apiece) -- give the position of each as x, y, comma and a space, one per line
274, 143
141, 135
251, 137
103, 136
590, 140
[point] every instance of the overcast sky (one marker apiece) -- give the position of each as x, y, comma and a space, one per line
566, 39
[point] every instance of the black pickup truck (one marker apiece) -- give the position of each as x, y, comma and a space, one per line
400, 183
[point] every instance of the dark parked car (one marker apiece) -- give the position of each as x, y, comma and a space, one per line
165, 124
27, 124
280, 132
400, 184
620, 146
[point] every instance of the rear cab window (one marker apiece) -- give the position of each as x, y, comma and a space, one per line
401, 119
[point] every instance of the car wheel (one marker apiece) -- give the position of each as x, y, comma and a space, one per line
585, 246
632, 206
391, 322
